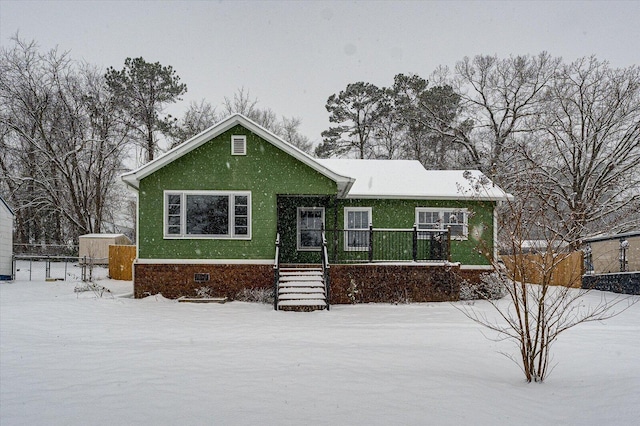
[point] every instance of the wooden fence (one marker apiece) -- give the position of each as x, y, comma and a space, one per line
121, 262
567, 272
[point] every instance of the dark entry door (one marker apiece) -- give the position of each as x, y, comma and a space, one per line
300, 219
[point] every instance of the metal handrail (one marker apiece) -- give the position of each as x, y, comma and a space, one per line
276, 273
325, 270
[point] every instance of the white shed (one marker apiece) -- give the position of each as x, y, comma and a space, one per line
96, 246
6, 241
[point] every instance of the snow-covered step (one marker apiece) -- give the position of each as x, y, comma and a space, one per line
314, 283
301, 289
287, 278
314, 272
316, 290
311, 302
300, 270
301, 296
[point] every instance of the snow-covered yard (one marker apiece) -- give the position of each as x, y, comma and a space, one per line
75, 359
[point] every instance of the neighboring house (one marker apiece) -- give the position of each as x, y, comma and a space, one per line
606, 254
210, 210
6, 241
612, 263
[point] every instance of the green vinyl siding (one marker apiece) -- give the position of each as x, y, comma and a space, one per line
401, 214
265, 170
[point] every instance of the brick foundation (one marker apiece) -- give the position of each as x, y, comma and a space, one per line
393, 283
175, 280
371, 283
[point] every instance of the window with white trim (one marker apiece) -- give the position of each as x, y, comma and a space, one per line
356, 225
238, 145
438, 218
309, 226
207, 214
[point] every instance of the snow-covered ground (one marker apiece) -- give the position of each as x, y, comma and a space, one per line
75, 359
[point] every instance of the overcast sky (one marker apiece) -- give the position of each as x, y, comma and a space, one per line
293, 55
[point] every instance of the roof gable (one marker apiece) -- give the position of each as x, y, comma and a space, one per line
134, 177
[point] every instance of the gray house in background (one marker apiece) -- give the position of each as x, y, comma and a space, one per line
606, 254
612, 263
6, 240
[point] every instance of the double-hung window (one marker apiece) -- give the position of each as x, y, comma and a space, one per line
437, 218
310, 223
207, 214
356, 225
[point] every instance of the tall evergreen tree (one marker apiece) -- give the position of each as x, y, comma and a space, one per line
425, 115
357, 110
143, 89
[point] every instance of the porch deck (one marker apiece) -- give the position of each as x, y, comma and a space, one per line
309, 288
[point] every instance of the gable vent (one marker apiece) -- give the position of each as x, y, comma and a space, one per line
238, 145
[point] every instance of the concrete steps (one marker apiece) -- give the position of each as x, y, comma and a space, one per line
301, 289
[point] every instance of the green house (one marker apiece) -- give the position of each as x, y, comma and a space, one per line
236, 207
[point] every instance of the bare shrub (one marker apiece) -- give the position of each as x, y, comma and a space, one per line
203, 292
535, 311
491, 286
256, 295
97, 289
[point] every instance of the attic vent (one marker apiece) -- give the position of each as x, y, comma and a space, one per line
238, 145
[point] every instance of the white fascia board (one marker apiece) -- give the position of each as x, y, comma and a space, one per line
205, 261
133, 178
430, 197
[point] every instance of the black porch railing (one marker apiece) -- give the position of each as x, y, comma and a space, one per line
326, 277
388, 245
276, 273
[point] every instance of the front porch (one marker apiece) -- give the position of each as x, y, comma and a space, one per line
302, 219
366, 266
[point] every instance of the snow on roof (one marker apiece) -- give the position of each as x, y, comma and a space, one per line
102, 236
605, 236
409, 179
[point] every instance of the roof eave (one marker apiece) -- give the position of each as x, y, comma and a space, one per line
131, 180
506, 197
344, 187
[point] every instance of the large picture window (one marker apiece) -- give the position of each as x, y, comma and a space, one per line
207, 214
310, 224
356, 225
434, 218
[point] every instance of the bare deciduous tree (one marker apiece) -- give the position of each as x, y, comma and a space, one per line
536, 312
64, 144
499, 96
198, 117
203, 115
587, 149
289, 131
